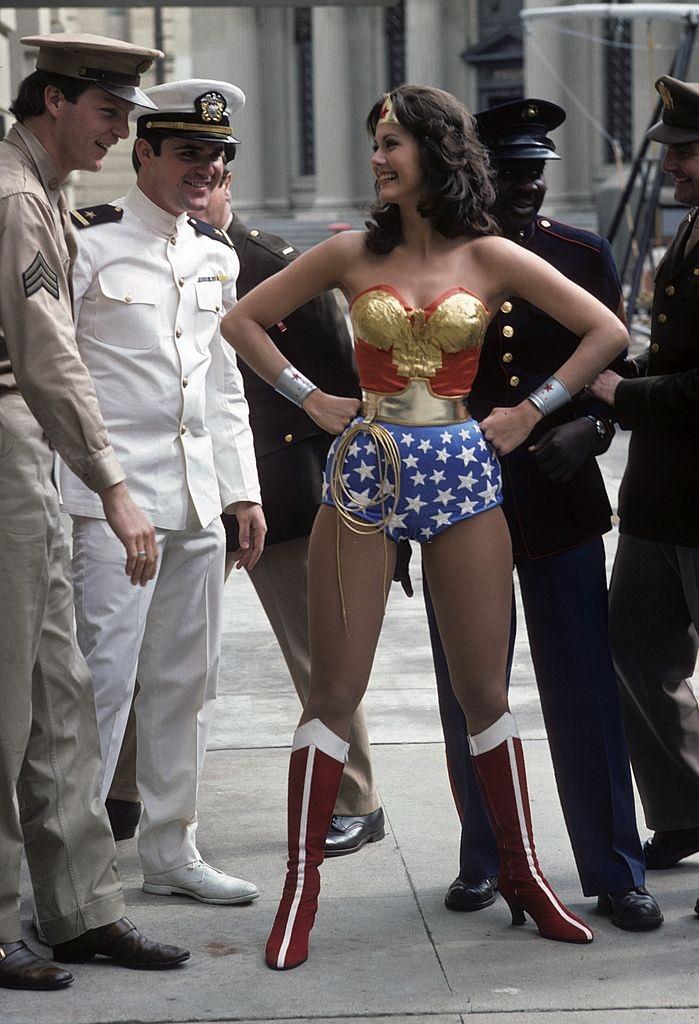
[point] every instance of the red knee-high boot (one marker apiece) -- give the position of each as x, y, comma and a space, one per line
499, 762
315, 770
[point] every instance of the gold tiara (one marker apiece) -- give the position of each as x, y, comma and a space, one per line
387, 114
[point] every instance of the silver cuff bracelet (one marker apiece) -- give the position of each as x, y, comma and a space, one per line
292, 384
549, 396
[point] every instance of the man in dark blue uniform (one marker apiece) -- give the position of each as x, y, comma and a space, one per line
557, 510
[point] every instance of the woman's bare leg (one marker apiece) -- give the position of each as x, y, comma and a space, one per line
469, 571
342, 654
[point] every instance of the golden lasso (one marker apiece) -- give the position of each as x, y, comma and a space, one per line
387, 459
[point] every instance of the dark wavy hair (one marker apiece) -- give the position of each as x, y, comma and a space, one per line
458, 182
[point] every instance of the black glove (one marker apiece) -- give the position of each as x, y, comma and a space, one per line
562, 451
401, 573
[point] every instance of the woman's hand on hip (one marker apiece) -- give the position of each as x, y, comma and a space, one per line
329, 411
507, 428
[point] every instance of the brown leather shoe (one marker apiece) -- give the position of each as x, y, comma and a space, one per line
122, 942
20, 967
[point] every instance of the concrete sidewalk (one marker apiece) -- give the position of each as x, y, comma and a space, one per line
384, 947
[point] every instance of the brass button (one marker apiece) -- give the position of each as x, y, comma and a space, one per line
183, 429
185, 382
180, 281
514, 381
288, 438
173, 240
506, 307
507, 357
545, 223
508, 331
218, 309
670, 290
662, 318
178, 332
655, 347
254, 233
128, 298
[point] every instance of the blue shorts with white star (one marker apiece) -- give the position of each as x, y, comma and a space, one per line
448, 473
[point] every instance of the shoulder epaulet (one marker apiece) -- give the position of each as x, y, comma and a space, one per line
203, 228
89, 216
275, 244
578, 236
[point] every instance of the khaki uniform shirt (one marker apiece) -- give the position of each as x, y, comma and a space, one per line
38, 352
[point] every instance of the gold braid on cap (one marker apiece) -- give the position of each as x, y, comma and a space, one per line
387, 114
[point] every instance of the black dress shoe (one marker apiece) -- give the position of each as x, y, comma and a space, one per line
471, 895
634, 910
124, 816
20, 967
349, 833
122, 942
665, 849
696, 907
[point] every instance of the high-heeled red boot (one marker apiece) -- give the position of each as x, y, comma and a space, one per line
499, 762
315, 771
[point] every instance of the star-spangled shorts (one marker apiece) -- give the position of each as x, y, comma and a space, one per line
448, 473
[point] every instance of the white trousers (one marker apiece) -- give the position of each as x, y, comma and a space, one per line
169, 632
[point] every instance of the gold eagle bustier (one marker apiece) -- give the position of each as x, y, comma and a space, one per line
418, 337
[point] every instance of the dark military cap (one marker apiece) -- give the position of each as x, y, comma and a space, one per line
111, 64
519, 130
680, 118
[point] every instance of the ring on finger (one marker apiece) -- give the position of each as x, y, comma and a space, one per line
141, 554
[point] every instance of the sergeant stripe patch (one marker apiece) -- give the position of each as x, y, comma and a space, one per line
39, 275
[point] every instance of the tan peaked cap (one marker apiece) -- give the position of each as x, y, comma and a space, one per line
112, 64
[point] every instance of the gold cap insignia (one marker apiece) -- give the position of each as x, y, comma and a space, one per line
529, 112
211, 107
665, 95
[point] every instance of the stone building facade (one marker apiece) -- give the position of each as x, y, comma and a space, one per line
311, 73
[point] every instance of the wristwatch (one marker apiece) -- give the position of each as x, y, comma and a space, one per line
600, 425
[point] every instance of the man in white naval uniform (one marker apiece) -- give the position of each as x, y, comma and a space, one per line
150, 285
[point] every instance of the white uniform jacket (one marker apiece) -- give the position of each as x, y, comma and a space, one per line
149, 294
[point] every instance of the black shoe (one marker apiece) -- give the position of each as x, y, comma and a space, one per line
122, 942
471, 895
20, 967
665, 849
696, 907
124, 816
349, 833
634, 910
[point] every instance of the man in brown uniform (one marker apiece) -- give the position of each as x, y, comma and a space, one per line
70, 111
654, 594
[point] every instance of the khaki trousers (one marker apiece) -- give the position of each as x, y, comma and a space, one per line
49, 749
280, 579
653, 624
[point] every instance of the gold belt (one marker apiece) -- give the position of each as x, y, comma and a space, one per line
416, 405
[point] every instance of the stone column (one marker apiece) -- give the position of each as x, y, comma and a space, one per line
424, 42
275, 50
225, 47
334, 83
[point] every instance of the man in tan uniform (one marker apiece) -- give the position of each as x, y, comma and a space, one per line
70, 111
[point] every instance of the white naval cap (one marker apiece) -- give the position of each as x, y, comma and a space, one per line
195, 108
112, 64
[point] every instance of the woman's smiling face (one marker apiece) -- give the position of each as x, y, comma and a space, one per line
396, 164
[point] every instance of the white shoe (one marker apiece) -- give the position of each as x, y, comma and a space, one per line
201, 882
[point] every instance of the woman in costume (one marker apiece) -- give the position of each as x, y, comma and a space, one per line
421, 282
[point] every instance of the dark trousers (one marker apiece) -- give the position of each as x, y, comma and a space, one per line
654, 619
565, 606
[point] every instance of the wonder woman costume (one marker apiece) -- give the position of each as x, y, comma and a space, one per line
414, 462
